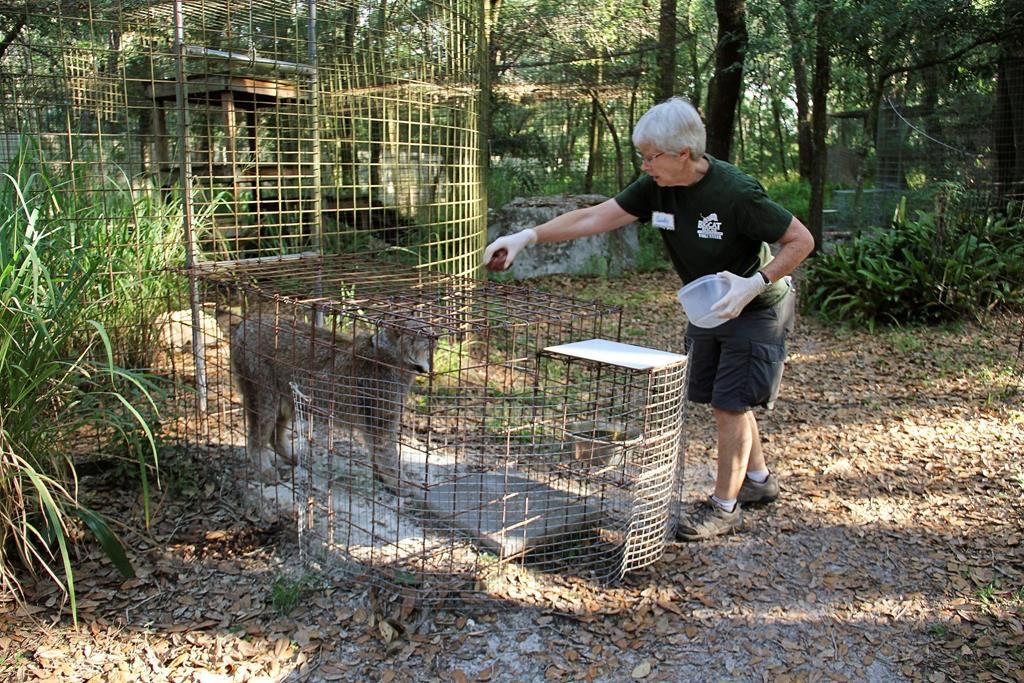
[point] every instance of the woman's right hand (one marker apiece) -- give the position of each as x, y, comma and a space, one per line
511, 245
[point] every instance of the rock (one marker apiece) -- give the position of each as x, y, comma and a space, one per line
608, 253
175, 329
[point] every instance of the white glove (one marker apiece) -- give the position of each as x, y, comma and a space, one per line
512, 245
742, 290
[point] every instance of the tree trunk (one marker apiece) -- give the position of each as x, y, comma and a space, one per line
666, 50
573, 113
489, 74
876, 88
803, 110
347, 157
780, 135
1009, 114
724, 92
819, 119
739, 131
620, 166
694, 62
1009, 124
11, 34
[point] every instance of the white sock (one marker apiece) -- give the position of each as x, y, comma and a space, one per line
727, 505
760, 476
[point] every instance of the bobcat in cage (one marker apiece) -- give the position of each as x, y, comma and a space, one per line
363, 381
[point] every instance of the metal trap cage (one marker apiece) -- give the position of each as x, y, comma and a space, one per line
529, 438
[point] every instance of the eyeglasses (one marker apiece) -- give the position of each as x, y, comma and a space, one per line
649, 158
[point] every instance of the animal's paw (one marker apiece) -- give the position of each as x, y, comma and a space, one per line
268, 467
270, 475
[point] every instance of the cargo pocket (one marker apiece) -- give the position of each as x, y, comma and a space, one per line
766, 364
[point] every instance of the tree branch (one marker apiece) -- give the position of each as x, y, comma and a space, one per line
623, 53
12, 34
945, 59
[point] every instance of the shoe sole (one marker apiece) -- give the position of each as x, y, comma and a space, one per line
696, 537
763, 500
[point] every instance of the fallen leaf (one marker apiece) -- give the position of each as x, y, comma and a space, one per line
387, 631
641, 670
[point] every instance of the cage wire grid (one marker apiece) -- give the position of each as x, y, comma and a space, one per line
264, 128
278, 127
512, 451
276, 130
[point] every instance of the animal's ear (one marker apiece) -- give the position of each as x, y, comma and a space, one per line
385, 337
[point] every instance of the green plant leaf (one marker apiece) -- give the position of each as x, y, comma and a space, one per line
110, 542
55, 517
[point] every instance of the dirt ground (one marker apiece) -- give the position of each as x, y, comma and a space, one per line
893, 554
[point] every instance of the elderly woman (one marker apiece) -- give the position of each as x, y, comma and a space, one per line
713, 218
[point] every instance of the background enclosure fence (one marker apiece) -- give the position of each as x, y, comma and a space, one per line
274, 127
567, 91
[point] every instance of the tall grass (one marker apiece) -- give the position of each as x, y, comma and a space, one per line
63, 283
140, 236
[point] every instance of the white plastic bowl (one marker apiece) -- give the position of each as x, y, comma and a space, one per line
699, 296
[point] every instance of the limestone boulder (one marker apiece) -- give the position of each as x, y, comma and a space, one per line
608, 253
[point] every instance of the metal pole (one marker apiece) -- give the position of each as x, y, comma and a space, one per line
246, 59
185, 185
314, 94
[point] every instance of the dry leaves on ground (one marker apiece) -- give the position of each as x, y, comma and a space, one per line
894, 553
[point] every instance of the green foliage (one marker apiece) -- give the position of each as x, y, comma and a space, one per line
515, 178
286, 592
937, 267
792, 193
58, 377
652, 255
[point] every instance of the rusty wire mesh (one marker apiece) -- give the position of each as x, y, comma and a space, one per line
517, 452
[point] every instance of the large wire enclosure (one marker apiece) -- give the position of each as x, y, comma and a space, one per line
286, 197
265, 128
529, 440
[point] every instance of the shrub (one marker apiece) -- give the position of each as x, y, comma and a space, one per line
926, 270
792, 193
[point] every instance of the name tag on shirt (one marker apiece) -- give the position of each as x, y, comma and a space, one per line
663, 221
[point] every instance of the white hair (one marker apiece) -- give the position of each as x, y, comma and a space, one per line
672, 126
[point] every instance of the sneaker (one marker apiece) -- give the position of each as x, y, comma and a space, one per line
708, 520
752, 493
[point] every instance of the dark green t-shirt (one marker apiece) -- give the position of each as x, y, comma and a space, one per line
725, 221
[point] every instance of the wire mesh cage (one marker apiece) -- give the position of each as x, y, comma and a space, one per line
428, 431
316, 167
264, 128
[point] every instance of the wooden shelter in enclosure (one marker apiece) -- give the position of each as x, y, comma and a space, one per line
228, 152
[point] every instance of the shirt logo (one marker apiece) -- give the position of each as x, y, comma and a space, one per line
709, 228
